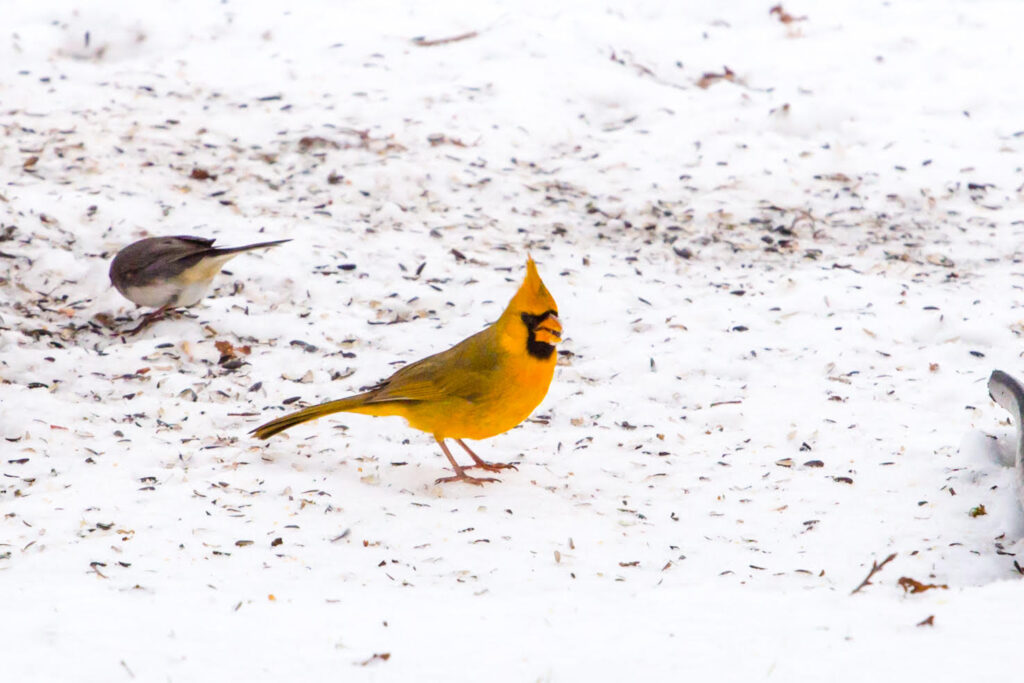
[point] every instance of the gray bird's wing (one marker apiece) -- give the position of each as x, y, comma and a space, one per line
156, 258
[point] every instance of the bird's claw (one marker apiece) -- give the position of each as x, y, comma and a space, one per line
493, 466
475, 481
135, 330
147, 320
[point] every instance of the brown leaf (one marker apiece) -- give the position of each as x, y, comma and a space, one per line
784, 16
910, 585
229, 350
316, 142
377, 657
709, 78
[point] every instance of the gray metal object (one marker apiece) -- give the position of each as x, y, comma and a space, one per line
1008, 393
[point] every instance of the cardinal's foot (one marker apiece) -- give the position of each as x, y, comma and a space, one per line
463, 477
492, 466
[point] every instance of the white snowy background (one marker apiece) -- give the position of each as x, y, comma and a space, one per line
786, 255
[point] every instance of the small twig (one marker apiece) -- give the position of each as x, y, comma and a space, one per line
423, 42
875, 568
627, 60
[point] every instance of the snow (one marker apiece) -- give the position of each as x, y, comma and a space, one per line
782, 296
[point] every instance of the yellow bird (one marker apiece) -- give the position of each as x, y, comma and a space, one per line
483, 386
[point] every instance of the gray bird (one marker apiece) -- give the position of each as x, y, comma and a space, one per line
170, 272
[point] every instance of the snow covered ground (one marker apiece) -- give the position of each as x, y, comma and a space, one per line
786, 256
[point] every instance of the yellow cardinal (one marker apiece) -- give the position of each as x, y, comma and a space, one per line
483, 386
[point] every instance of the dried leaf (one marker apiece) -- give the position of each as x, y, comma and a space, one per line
709, 78
910, 585
784, 16
377, 657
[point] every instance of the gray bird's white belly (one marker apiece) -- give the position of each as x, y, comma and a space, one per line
167, 294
